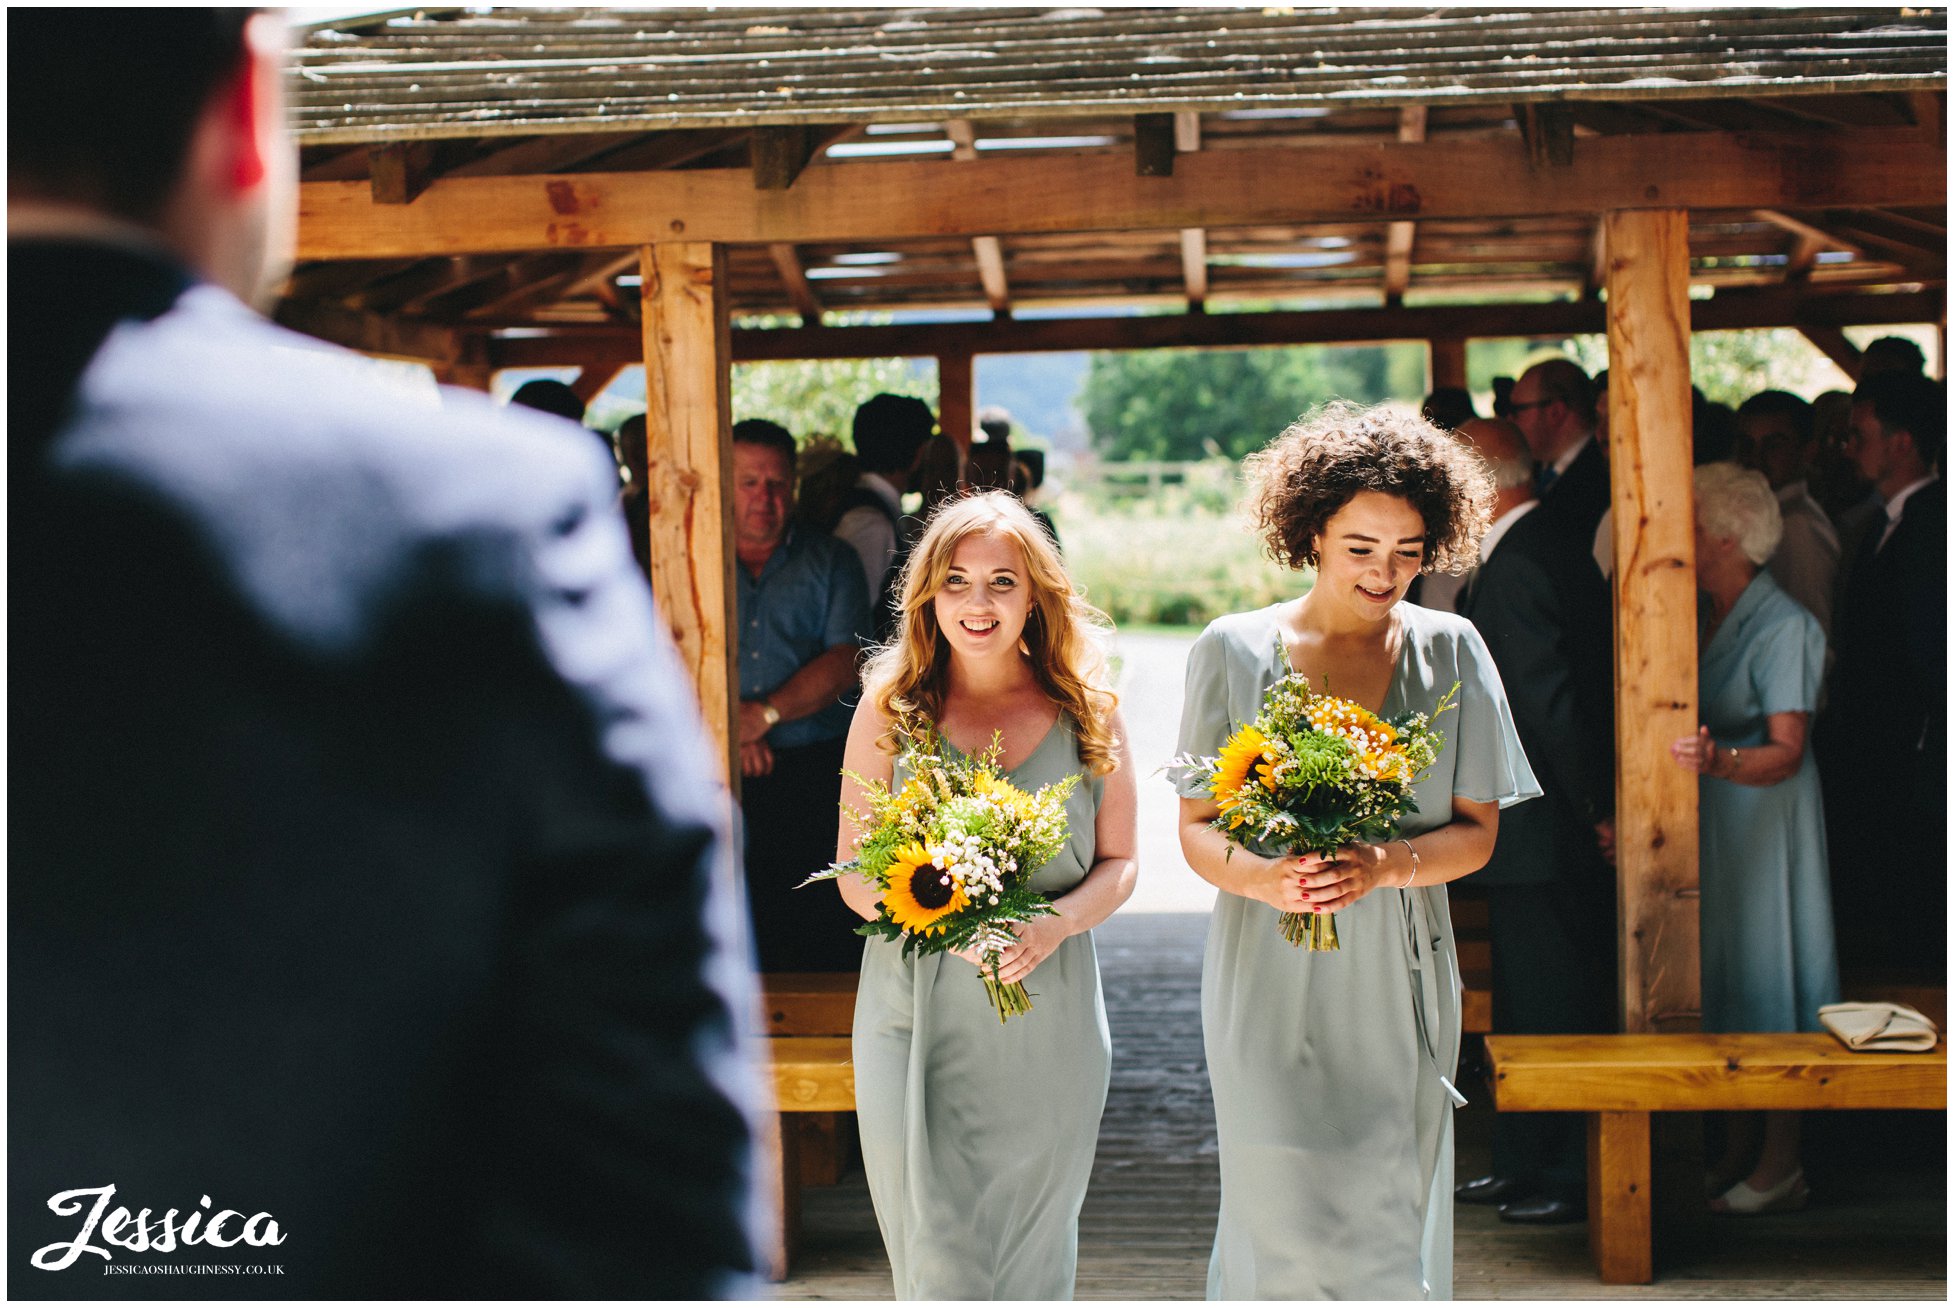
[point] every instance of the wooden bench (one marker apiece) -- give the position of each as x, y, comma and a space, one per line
805, 1020
1618, 1080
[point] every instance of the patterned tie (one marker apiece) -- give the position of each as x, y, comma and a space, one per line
1544, 478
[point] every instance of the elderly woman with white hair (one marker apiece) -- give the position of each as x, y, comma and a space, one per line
1768, 957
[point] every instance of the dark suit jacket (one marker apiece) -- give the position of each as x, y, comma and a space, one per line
1542, 607
362, 846
1888, 693
1579, 496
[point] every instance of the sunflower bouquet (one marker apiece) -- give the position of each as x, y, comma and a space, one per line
1313, 773
953, 850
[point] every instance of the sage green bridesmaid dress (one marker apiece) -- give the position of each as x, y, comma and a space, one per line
1332, 1071
977, 1136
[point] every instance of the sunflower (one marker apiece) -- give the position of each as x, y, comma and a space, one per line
919, 894
1238, 758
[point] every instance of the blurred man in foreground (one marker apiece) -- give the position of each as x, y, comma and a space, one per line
364, 918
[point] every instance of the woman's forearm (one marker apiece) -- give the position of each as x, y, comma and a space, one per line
1756, 765
1221, 864
1098, 895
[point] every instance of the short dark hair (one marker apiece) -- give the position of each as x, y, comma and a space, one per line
1448, 406
546, 395
1563, 380
1780, 404
768, 435
1910, 402
889, 429
1891, 354
101, 103
1322, 461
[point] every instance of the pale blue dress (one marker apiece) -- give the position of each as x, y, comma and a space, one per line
1768, 956
1332, 1072
978, 1137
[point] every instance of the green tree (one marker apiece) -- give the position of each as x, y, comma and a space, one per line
819, 396
1193, 404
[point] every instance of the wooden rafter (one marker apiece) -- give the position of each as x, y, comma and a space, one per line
1800, 228
1153, 145
566, 284
372, 334
779, 155
1731, 311
1194, 240
990, 270
1399, 236
1194, 267
1597, 274
908, 200
787, 260
963, 135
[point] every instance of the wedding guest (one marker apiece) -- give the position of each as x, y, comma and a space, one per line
803, 619
1775, 437
1883, 740
1448, 406
634, 457
939, 477
547, 395
1332, 1071
1553, 406
978, 1138
1540, 603
1767, 948
1031, 463
890, 433
365, 848
1891, 354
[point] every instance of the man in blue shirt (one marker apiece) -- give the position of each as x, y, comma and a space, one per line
803, 614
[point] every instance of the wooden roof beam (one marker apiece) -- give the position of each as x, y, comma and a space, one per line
1548, 130
990, 270
1597, 272
369, 333
1832, 343
1342, 182
779, 155
398, 171
1398, 237
787, 260
1194, 268
963, 138
1194, 240
1154, 145
1730, 311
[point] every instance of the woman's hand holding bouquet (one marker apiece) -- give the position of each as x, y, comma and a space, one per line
952, 852
1326, 779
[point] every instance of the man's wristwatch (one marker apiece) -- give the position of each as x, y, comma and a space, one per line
769, 714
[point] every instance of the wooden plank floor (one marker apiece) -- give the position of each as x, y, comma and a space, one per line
1873, 1233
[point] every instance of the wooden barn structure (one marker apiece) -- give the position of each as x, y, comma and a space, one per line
612, 187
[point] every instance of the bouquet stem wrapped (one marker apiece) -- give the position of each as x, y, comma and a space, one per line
1313, 773
952, 851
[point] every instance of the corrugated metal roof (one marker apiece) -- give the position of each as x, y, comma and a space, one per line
471, 73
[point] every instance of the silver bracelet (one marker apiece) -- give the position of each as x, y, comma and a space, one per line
1412, 850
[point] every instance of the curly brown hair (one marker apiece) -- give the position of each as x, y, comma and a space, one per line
1301, 479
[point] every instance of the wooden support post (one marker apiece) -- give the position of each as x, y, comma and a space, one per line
956, 386
1618, 1188
689, 461
1655, 624
1445, 362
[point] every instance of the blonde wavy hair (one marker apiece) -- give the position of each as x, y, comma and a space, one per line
908, 678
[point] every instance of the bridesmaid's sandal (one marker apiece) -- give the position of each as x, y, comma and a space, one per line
1741, 1200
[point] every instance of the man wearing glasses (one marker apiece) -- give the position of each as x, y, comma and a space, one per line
1553, 406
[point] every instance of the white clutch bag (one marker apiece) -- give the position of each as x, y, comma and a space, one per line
1886, 1028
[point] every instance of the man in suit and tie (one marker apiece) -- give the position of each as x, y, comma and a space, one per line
366, 937
1882, 742
1553, 406
1540, 603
